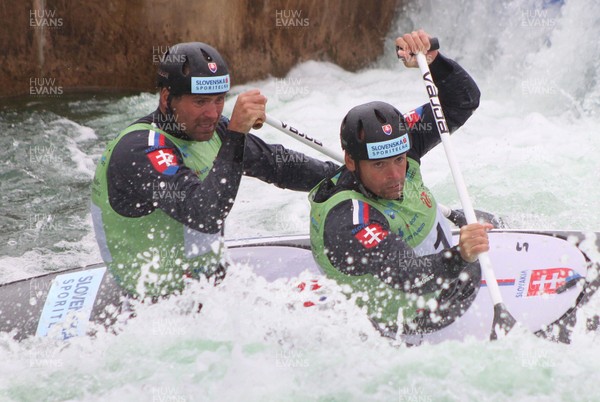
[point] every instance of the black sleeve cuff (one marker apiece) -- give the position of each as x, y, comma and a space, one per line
441, 68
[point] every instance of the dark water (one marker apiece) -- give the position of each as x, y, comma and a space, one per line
48, 148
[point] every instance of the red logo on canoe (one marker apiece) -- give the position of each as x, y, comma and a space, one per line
546, 281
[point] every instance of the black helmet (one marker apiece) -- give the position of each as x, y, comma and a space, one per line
193, 68
375, 130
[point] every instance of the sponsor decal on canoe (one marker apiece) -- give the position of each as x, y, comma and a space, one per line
538, 282
69, 303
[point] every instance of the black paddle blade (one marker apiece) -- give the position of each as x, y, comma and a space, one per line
457, 216
503, 320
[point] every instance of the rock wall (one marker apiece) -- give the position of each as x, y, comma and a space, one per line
114, 45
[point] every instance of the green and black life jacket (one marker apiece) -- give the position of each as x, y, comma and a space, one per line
149, 256
415, 218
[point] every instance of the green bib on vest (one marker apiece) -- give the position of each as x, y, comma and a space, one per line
415, 218
150, 255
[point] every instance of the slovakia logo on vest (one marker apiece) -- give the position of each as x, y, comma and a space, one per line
163, 159
371, 234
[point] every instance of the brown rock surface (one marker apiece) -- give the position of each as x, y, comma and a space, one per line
114, 45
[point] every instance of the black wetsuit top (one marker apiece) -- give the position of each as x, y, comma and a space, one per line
132, 178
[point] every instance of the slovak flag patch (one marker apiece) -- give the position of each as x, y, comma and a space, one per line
413, 117
546, 281
212, 67
164, 161
387, 129
370, 236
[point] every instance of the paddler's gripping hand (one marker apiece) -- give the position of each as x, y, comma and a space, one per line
474, 240
408, 45
248, 110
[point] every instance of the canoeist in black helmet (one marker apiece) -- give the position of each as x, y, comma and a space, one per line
165, 185
377, 229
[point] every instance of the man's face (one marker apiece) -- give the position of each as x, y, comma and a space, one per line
198, 115
383, 177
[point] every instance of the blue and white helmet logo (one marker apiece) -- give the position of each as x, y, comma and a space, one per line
389, 148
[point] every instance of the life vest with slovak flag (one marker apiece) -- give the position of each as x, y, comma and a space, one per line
415, 218
150, 255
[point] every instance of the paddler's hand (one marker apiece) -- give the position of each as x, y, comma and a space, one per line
410, 44
474, 240
249, 108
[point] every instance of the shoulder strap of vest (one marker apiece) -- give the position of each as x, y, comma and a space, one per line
141, 127
148, 127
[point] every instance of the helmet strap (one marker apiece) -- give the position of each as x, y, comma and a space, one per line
169, 109
170, 114
361, 187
